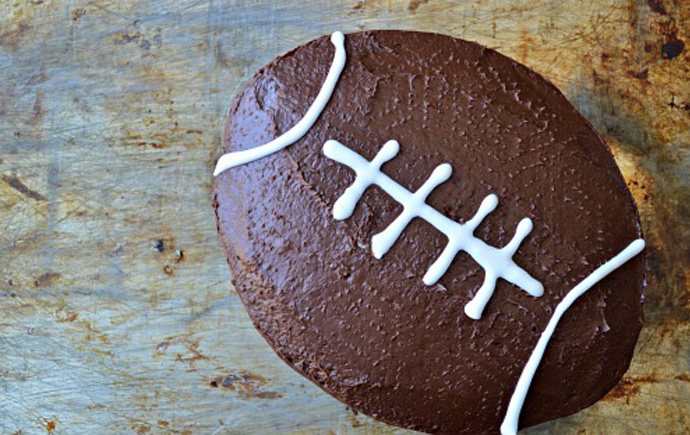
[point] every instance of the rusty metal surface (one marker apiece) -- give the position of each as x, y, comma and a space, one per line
115, 308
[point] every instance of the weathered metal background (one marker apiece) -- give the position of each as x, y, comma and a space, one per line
116, 313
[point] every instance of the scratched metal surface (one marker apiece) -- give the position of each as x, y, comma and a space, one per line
115, 309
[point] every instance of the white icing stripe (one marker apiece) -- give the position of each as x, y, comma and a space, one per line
383, 241
510, 423
497, 263
291, 136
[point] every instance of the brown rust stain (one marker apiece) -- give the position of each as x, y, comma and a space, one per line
94, 333
38, 111
77, 13
141, 428
19, 19
638, 180
37, 79
352, 416
12, 37
154, 299
136, 34
246, 384
46, 279
685, 377
361, 4
526, 42
657, 6
138, 140
628, 387
101, 352
685, 276
50, 426
170, 134
90, 328
642, 74
15, 183
187, 349
62, 315
415, 4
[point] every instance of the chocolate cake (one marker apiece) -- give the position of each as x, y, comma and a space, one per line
430, 232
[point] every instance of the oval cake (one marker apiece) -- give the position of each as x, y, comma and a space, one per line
433, 234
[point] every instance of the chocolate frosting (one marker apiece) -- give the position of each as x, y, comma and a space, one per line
369, 331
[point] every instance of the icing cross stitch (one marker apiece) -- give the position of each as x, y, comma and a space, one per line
497, 263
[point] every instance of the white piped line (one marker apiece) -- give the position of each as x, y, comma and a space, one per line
345, 205
291, 136
383, 241
510, 422
497, 263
